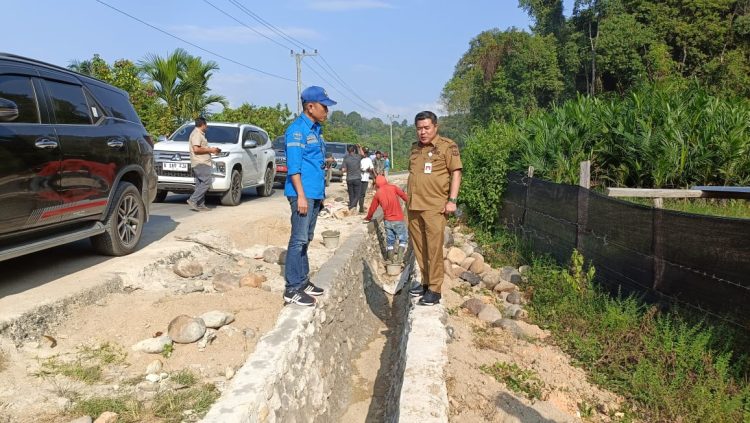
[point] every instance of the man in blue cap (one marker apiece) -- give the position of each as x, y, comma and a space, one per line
305, 190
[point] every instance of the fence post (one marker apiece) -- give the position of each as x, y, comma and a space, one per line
584, 183
530, 172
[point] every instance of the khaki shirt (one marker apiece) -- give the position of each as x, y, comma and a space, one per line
429, 191
198, 138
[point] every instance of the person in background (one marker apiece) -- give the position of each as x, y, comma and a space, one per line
387, 162
200, 161
379, 164
353, 171
367, 170
386, 197
305, 191
434, 180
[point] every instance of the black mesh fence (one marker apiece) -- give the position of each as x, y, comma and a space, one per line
696, 260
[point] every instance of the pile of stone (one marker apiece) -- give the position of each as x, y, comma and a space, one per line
504, 308
196, 280
185, 329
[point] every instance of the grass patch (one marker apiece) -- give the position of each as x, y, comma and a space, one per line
517, 379
87, 364
487, 339
184, 377
170, 405
3, 360
128, 409
463, 290
674, 365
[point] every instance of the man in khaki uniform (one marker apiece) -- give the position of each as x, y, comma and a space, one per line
434, 180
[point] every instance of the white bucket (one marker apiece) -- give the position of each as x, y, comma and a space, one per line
331, 238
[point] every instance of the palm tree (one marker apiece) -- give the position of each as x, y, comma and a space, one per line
181, 81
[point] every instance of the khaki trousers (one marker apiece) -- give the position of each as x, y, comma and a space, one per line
426, 232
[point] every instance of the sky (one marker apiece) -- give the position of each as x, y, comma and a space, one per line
375, 57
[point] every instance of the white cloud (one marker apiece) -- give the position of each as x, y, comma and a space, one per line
240, 34
345, 5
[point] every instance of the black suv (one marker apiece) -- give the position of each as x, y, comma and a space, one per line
75, 161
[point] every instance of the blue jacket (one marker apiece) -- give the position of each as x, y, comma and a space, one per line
305, 155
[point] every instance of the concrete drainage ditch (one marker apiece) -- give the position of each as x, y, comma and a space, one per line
359, 355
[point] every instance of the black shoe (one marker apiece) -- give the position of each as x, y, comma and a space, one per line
429, 298
313, 290
418, 290
299, 297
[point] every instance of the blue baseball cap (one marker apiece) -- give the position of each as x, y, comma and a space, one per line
315, 94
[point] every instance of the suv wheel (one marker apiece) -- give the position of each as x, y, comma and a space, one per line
233, 196
124, 223
267, 188
161, 195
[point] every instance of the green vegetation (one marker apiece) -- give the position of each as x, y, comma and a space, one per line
517, 379
184, 377
708, 207
170, 405
674, 365
273, 119
128, 408
87, 364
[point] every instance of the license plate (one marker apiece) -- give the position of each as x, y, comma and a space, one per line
176, 167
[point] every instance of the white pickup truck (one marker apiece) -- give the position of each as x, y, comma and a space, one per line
246, 160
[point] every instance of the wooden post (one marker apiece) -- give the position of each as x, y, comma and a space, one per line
530, 173
658, 203
584, 178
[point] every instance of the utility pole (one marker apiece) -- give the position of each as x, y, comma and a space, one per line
390, 122
298, 59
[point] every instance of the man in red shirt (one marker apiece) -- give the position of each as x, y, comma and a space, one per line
393, 216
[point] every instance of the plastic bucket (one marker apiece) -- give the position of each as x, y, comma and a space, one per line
331, 238
393, 269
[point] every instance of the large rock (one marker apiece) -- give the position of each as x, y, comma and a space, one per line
253, 280
490, 314
478, 265
510, 310
514, 298
457, 270
224, 282
471, 278
524, 269
467, 249
84, 419
273, 255
504, 286
448, 237
491, 278
184, 329
107, 417
473, 305
216, 318
510, 274
456, 256
187, 268
448, 268
468, 261
153, 345
521, 329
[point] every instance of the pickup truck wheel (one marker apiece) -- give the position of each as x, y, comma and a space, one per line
124, 223
233, 196
267, 188
161, 195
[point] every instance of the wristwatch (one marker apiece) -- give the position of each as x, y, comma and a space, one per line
452, 199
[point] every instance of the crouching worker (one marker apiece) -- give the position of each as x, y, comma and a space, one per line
393, 217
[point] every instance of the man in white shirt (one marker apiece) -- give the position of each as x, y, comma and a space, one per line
367, 168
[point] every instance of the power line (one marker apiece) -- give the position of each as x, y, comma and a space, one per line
246, 25
341, 92
270, 26
302, 45
195, 45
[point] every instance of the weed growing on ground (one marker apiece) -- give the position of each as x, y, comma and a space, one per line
488, 339
675, 365
3, 360
517, 379
167, 351
170, 405
87, 364
462, 290
128, 408
184, 377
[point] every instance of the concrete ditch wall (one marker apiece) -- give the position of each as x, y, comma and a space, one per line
300, 371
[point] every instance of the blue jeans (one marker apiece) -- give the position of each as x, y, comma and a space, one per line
395, 230
303, 231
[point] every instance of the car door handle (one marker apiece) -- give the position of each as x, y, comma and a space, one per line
45, 143
115, 143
